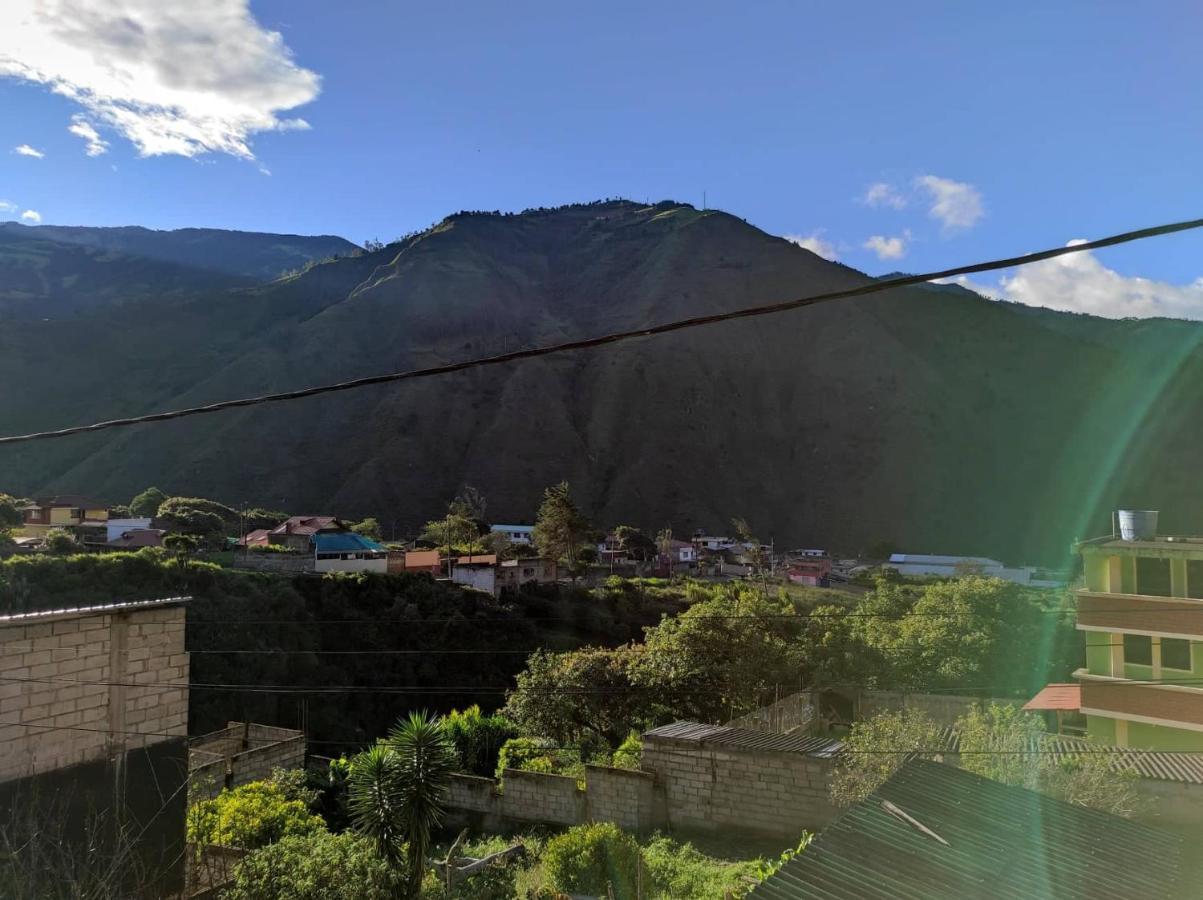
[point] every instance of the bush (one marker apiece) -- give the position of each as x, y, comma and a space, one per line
478, 738
592, 859
538, 755
251, 816
320, 866
680, 870
60, 542
629, 752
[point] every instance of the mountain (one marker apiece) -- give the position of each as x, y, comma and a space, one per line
935, 419
245, 253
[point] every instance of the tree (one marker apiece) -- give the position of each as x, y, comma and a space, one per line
251, 816
60, 542
257, 517
147, 503
635, 543
876, 748
451, 533
397, 789
560, 528
181, 544
206, 519
10, 517
369, 528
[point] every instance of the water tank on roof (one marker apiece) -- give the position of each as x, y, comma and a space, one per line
1137, 524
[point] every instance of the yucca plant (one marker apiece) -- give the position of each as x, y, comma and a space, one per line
397, 789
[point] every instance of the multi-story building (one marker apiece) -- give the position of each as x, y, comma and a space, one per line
1141, 609
68, 511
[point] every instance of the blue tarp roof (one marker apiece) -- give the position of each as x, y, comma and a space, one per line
344, 542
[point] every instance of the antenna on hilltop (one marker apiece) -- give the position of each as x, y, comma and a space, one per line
703, 201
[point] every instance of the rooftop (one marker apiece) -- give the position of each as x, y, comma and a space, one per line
97, 610
725, 736
345, 542
1057, 696
935, 832
1162, 545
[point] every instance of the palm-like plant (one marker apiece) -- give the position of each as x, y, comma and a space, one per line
397, 788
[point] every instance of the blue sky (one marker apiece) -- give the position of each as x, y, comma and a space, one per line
1035, 123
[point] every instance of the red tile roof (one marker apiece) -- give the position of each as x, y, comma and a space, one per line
1057, 696
306, 524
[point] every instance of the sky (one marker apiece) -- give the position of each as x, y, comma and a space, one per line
892, 137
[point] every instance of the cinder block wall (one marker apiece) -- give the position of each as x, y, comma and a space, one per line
94, 681
537, 797
622, 796
769, 792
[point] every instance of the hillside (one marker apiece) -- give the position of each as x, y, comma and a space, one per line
933, 418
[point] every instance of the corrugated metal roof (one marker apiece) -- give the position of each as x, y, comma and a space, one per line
1001, 842
344, 542
1158, 765
725, 736
1057, 696
25, 618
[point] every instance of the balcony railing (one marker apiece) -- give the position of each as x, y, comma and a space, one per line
1166, 616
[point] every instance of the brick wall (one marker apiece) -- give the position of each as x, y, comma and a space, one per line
536, 797
95, 679
776, 793
623, 796
239, 754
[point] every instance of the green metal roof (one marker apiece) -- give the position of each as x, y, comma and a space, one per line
1002, 842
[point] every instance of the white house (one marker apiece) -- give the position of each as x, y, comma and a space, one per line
517, 534
114, 528
708, 542
479, 575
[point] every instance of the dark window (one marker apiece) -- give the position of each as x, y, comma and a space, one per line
1138, 649
1153, 577
1194, 578
1175, 654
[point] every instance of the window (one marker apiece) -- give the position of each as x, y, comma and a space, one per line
1153, 577
1194, 578
1175, 654
1138, 649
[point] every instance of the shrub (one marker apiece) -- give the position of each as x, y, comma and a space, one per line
319, 866
680, 870
629, 752
538, 755
478, 738
251, 816
592, 859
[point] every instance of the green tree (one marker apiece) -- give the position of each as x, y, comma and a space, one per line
635, 543
877, 747
257, 517
319, 866
397, 789
452, 533
561, 531
60, 542
10, 517
369, 528
584, 695
477, 738
181, 544
147, 503
596, 860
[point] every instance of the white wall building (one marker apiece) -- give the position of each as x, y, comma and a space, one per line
919, 565
517, 534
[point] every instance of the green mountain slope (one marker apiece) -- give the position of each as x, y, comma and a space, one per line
937, 419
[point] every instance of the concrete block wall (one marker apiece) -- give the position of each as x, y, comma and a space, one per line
777, 793
472, 793
623, 796
537, 797
85, 685
240, 753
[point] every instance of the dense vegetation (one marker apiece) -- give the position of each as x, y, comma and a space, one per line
392, 642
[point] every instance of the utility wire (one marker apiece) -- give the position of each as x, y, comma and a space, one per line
615, 337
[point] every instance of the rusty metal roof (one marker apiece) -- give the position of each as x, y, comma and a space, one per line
1057, 696
744, 738
936, 832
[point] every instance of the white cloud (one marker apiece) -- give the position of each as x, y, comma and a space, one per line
956, 204
882, 194
888, 247
7, 206
1080, 283
815, 243
173, 78
32, 216
81, 127
26, 150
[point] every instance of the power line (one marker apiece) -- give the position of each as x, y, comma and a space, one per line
618, 336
